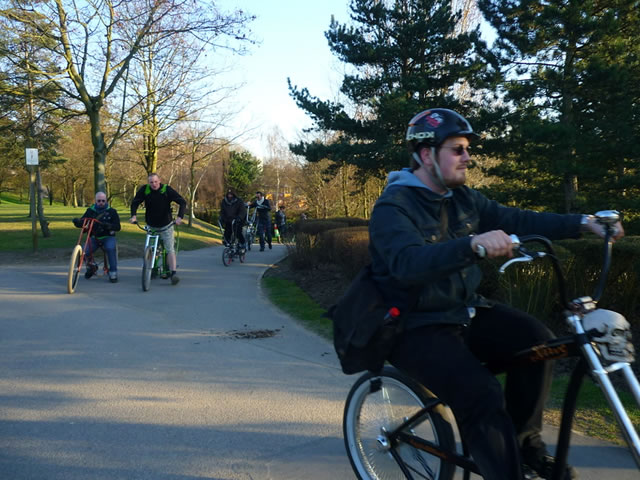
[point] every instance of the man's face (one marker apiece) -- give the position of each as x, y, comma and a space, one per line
259, 196
453, 158
154, 182
101, 199
229, 196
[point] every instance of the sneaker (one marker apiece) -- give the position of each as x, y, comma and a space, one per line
113, 277
174, 278
542, 468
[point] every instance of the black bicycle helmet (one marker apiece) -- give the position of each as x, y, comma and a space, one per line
432, 127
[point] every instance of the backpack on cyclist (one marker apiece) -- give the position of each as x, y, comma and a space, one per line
365, 329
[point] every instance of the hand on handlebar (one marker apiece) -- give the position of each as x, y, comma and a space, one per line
594, 226
496, 244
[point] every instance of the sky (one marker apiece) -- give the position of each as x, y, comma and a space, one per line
291, 45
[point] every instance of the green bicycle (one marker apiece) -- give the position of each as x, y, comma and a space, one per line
154, 259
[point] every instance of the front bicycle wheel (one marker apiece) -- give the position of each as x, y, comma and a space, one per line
377, 404
147, 268
227, 256
74, 268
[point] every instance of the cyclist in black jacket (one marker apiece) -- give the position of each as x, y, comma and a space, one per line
232, 213
428, 229
103, 233
157, 198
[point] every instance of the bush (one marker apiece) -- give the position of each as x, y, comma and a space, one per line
314, 227
346, 247
302, 254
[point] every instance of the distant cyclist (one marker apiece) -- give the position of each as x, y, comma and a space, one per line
103, 234
232, 208
262, 205
157, 198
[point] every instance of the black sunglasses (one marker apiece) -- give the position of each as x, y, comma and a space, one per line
101, 201
458, 150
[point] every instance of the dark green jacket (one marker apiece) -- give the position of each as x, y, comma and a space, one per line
412, 243
109, 221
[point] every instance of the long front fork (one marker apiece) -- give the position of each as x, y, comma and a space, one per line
153, 241
601, 375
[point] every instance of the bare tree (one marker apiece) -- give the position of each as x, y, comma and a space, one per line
93, 46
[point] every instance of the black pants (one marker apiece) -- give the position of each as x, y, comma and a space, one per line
237, 226
496, 425
264, 232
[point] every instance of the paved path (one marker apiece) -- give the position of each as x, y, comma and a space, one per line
115, 383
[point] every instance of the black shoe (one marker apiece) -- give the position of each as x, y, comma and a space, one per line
113, 277
174, 278
91, 271
269, 245
262, 249
542, 467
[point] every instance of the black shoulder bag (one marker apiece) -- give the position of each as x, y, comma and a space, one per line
365, 329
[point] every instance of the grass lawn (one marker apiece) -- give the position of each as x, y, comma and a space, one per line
15, 228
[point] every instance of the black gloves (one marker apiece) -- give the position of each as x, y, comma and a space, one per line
77, 222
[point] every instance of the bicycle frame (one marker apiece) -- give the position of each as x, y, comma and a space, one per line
87, 227
83, 254
232, 248
578, 344
154, 240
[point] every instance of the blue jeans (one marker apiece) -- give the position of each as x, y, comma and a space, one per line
109, 244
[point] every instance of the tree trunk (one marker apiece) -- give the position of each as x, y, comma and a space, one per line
74, 193
99, 150
44, 224
345, 199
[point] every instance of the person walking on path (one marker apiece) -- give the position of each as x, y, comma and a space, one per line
157, 198
263, 207
281, 222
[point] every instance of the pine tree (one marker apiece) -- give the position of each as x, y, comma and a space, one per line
405, 56
572, 87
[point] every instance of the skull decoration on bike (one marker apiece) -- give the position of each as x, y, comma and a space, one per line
613, 339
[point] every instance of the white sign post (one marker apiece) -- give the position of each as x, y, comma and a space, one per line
31, 155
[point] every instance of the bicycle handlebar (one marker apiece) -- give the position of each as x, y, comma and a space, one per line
606, 218
149, 229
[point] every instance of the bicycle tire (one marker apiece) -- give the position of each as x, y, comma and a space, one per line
369, 412
75, 264
147, 268
227, 256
